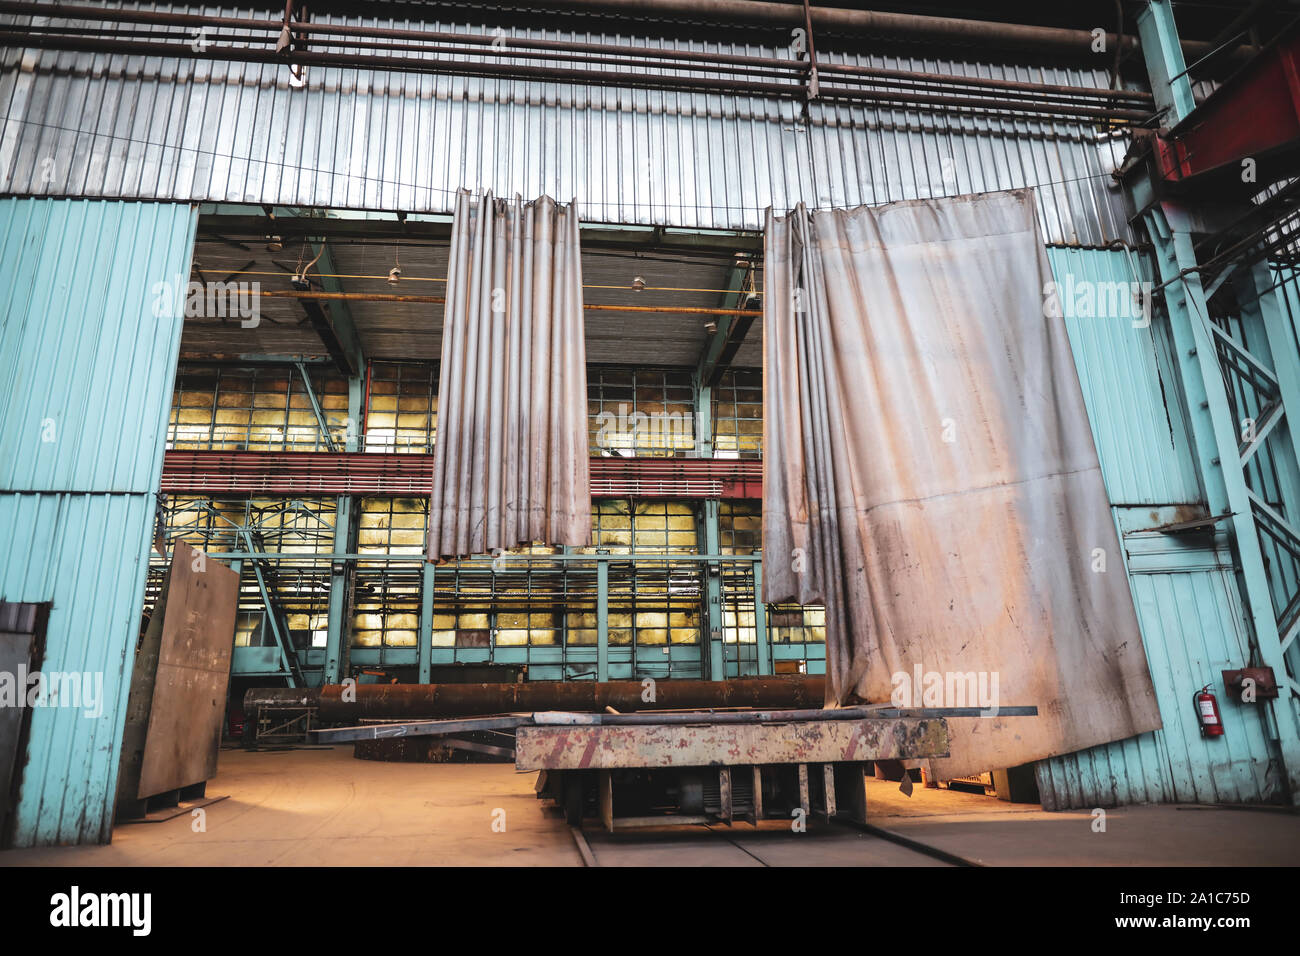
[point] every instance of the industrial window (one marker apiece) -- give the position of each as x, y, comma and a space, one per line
392, 525
248, 629
386, 606
640, 412
738, 414
623, 526
301, 528
386, 597
286, 525
402, 407
256, 409
647, 606
655, 604
473, 606
478, 607
740, 527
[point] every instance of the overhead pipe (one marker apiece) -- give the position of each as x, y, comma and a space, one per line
937, 100
837, 20
473, 700
770, 76
618, 55
906, 26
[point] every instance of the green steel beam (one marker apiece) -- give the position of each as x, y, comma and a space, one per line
703, 418
1166, 67
424, 655
340, 315
340, 578
602, 616
760, 624
352, 434
315, 407
710, 538
288, 655
707, 369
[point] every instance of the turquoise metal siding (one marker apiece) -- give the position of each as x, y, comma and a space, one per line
83, 354
1193, 627
86, 554
1185, 590
1137, 423
1187, 597
81, 347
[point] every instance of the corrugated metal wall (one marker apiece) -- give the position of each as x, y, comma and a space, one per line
1187, 598
86, 373
1128, 385
95, 125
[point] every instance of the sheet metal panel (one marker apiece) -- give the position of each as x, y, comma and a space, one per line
1129, 390
86, 368
1193, 628
711, 745
189, 691
95, 125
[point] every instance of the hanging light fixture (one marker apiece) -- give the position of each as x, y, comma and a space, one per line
395, 273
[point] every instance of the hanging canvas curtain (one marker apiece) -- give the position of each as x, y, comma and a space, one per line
930, 476
510, 459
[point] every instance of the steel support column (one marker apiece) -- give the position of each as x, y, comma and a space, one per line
424, 652
703, 418
1164, 61
713, 651
761, 647
344, 539
340, 580
602, 614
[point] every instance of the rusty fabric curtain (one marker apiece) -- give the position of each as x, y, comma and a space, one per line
930, 476
510, 459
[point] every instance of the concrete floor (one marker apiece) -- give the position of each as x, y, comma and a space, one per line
324, 808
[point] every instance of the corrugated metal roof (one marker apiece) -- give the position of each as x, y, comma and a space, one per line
80, 346
96, 125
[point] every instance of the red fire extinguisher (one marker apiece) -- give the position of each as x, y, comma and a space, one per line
1207, 713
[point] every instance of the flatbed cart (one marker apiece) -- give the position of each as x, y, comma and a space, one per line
664, 768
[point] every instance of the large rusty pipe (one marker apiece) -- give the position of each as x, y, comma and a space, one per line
472, 700
903, 26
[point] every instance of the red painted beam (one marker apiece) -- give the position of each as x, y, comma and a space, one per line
1255, 115
238, 473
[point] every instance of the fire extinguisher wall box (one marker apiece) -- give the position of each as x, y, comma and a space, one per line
1265, 687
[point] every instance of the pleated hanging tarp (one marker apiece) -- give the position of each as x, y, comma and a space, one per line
510, 459
930, 476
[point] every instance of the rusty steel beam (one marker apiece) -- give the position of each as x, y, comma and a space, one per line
406, 474
713, 744
469, 700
